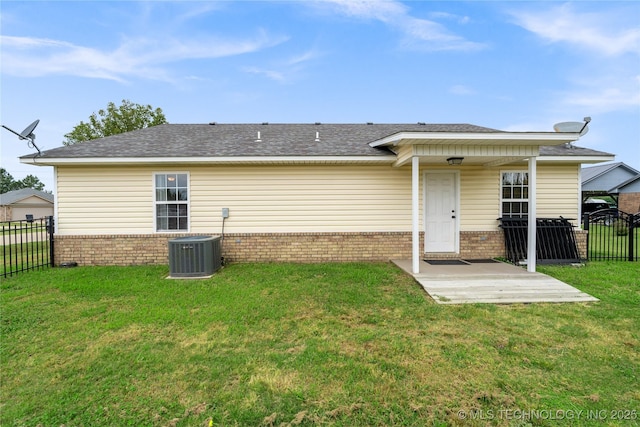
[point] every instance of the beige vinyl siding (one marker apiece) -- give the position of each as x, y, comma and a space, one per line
301, 198
101, 200
479, 199
558, 191
558, 194
293, 198
261, 199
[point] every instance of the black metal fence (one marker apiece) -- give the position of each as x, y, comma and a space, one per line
27, 245
612, 235
555, 240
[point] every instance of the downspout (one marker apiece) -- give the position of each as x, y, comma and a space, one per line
531, 245
415, 213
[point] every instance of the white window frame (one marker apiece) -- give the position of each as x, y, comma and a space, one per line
157, 202
523, 199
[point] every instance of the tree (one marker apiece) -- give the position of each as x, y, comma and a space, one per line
8, 183
31, 181
115, 120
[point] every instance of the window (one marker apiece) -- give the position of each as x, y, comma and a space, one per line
172, 201
515, 194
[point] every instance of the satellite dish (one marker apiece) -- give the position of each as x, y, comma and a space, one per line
27, 133
572, 127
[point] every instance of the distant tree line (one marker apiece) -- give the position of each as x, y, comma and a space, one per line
8, 183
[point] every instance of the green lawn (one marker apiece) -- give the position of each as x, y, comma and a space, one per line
605, 242
329, 344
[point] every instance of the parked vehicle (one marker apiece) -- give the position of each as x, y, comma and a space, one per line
600, 211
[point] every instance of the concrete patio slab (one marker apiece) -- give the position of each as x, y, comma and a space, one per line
495, 282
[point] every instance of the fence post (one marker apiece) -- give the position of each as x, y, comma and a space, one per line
50, 229
632, 220
585, 227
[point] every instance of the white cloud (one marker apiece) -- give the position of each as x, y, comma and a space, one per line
278, 76
419, 33
614, 92
605, 48
461, 90
286, 70
600, 33
134, 57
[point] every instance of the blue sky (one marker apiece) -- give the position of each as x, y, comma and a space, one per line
519, 66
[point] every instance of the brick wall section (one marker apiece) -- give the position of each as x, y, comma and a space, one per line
316, 247
5, 213
293, 247
482, 244
114, 249
629, 202
266, 247
581, 242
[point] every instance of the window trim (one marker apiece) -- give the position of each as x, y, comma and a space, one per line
156, 201
521, 200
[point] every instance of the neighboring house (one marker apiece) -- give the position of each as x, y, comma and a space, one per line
25, 203
618, 180
309, 192
598, 180
628, 194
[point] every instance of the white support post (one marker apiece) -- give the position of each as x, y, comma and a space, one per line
531, 231
415, 214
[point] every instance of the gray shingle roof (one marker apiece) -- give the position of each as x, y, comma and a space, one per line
11, 197
239, 140
571, 151
276, 140
592, 172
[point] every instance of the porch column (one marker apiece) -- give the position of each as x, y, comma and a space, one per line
531, 248
415, 214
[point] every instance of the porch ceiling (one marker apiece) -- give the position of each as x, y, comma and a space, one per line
474, 155
486, 161
477, 139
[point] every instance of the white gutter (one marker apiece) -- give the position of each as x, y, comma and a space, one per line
43, 161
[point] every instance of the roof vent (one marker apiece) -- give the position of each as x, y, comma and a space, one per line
421, 123
318, 123
317, 136
258, 139
265, 123
369, 123
212, 123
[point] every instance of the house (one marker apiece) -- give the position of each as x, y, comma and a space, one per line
618, 180
598, 180
25, 203
628, 195
309, 192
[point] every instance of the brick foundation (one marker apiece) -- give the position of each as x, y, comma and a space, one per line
290, 247
267, 247
581, 242
482, 244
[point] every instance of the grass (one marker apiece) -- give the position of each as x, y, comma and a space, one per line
24, 256
330, 344
605, 242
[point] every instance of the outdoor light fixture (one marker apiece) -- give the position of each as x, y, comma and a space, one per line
455, 161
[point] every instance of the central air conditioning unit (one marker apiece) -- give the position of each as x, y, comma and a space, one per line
195, 256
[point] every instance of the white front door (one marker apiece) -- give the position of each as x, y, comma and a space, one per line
441, 224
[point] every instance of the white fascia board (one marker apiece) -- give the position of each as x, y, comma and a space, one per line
544, 138
39, 161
